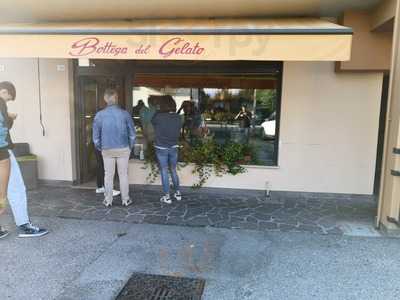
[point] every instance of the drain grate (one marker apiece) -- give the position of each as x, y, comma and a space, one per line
157, 287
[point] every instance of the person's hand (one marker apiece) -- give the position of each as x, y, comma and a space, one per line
12, 116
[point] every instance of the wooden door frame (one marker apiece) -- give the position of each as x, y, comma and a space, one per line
79, 74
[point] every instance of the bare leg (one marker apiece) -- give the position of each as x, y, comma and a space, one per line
4, 177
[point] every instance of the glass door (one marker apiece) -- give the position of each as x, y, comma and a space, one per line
91, 101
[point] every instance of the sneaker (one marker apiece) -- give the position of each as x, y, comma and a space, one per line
127, 202
106, 203
166, 199
28, 230
3, 233
100, 190
178, 196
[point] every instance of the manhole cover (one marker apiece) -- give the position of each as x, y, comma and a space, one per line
156, 287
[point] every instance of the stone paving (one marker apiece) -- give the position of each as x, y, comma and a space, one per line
316, 213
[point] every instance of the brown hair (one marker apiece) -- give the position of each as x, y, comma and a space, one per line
168, 104
6, 85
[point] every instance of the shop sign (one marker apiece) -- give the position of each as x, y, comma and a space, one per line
172, 47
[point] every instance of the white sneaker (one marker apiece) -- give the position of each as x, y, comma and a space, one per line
106, 203
127, 202
166, 199
178, 196
100, 190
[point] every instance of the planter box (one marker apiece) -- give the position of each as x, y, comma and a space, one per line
28, 164
29, 170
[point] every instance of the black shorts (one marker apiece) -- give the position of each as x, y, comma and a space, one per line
4, 154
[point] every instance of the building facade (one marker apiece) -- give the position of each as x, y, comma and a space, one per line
322, 82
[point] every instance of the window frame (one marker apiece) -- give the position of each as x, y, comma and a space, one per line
220, 68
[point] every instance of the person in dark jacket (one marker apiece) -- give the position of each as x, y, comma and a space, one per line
244, 118
167, 126
16, 191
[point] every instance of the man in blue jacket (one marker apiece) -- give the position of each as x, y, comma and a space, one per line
114, 135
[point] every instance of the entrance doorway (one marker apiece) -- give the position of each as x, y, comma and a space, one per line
381, 134
90, 101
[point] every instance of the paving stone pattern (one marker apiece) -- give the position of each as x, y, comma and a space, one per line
316, 213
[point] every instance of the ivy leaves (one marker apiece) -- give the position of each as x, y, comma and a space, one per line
207, 157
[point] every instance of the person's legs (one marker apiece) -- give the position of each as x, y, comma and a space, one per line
99, 169
17, 193
173, 161
162, 156
122, 165
109, 172
4, 178
100, 175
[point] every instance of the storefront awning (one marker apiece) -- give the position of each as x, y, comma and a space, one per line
302, 39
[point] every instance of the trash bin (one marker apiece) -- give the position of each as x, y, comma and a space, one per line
28, 164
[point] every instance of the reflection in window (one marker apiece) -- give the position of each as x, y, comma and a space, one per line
223, 108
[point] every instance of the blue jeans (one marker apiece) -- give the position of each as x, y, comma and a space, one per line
168, 159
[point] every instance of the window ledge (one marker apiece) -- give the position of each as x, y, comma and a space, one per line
138, 161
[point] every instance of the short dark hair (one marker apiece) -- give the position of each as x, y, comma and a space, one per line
6, 85
168, 104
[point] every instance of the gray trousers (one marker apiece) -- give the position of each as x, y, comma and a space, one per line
120, 157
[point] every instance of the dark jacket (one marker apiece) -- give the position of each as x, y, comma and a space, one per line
167, 128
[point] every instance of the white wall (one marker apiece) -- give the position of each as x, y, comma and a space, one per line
329, 131
329, 128
53, 149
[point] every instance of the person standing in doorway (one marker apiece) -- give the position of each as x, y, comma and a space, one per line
114, 135
100, 174
167, 126
16, 191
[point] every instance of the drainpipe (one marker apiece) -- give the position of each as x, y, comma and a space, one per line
40, 98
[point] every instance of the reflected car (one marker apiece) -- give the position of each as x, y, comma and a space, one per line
269, 126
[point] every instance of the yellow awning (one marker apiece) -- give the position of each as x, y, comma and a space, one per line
302, 39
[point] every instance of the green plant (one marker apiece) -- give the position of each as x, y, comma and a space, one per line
207, 157
150, 162
223, 117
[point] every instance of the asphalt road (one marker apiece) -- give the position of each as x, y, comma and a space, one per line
94, 259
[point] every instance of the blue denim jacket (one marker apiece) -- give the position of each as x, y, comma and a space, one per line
113, 128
